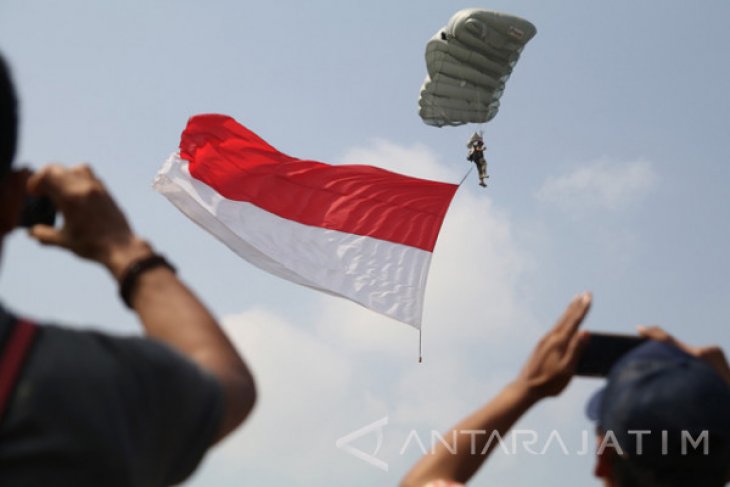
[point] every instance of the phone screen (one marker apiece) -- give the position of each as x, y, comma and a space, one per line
37, 210
603, 350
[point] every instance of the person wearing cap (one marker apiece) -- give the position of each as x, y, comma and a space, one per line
83, 408
662, 419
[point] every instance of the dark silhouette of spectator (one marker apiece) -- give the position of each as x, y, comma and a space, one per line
676, 398
82, 408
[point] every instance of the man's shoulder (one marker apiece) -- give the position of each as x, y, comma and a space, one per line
92, 350
120, 394
93, 359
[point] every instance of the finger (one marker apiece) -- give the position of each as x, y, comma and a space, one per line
84, 169
654, 332
575, 349
573, 316
716, 358
713, 354
46, 181
659, 334
47, 235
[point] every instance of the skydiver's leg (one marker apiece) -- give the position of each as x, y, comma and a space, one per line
482, 166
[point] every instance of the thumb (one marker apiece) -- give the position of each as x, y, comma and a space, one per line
47, 235
575, 348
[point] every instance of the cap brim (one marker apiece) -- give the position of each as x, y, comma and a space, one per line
593, 408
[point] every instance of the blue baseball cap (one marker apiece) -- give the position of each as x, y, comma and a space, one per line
666, 409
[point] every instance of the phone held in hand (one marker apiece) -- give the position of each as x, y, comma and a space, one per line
37, 210
603, 350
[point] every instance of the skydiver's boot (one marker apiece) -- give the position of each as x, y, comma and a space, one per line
482, 183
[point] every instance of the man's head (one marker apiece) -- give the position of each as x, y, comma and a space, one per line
664, 420
8, 118
12, 183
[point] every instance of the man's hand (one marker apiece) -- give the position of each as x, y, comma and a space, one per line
552, 364
94, 227
713, 354
546, 373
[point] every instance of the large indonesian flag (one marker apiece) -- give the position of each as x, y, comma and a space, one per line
354, 231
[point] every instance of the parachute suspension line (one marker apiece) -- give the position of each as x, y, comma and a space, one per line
420, 347
467, 174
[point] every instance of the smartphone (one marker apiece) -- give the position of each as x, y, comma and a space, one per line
603, 350
37, 210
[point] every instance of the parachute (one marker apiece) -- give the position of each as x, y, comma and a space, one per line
469, 61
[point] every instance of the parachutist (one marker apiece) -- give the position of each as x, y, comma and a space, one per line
476, 155
482, 48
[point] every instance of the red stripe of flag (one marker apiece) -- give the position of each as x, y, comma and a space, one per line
356, 199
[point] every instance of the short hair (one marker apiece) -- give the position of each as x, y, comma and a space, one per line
8, 118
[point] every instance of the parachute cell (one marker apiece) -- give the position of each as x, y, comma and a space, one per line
468, 63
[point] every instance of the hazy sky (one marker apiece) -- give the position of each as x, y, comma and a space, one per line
609, 172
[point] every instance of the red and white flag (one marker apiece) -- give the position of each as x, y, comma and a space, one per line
355, 231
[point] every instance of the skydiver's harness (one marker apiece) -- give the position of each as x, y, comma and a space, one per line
474, 154
14, 352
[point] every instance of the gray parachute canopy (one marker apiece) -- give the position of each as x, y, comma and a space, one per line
469, 62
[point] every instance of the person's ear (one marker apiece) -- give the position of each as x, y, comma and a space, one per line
12, 196
604, 461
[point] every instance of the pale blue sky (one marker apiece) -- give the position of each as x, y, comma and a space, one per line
609, 163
